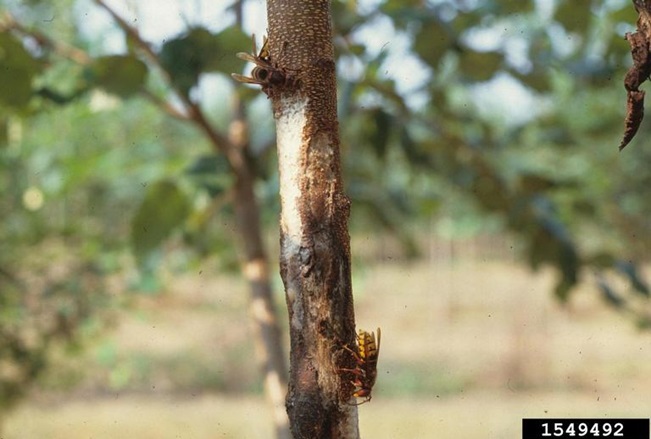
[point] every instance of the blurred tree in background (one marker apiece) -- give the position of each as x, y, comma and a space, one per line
498, 116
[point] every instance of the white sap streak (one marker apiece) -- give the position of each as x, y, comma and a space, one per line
289, 129
289, 133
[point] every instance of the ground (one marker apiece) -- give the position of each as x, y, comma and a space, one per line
468, 350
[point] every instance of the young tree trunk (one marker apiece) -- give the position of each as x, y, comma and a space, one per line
315, 246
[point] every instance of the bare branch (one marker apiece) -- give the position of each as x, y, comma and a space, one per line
133, 34
219, 141
165, 106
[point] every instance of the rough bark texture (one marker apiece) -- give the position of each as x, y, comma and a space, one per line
315, 246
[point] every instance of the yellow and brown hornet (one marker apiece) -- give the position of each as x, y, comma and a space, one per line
366, 356
264, 73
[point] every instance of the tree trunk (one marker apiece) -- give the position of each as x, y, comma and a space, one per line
315, 246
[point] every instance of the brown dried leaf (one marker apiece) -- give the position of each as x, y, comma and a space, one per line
634, 116
640, 42
641, 68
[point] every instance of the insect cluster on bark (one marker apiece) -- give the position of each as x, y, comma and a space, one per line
640, 43
265, 73
366, 354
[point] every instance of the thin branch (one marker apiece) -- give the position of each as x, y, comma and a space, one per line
74, 54
9, 23
165, 106
194, 112
134, 35
219, 141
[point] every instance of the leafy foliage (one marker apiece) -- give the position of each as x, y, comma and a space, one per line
39, 316
163, 210
200, 51
544, 168
117, 74
17, 74
522, 172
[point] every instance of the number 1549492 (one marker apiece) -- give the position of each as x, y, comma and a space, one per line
621, 428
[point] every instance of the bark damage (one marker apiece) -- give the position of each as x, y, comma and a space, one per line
640, 42
315, 245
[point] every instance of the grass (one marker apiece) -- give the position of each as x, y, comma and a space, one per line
468, 349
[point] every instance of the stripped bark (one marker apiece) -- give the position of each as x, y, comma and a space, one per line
315, 245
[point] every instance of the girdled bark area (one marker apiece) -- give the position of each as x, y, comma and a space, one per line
315, 246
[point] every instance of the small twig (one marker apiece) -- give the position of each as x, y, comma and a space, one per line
219, 141
165, 106
134, 35
8, 22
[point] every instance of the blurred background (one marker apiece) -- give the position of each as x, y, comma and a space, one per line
499, 238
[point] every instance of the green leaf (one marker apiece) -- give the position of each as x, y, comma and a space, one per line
404, 12
58, 97
345, 17
531, 183
602, 260
379, 137
211, 173
551, 243
4, 132
516, 6
122, 75
163, 210
562, 290
17, 71
479, 66
537, 80
414, 152
199, 51
432, 42
229, 42
574, 15
183, 60
625, 14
